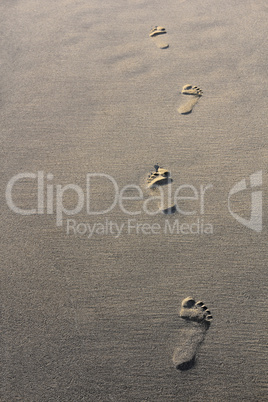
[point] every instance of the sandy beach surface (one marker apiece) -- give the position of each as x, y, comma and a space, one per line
86, 90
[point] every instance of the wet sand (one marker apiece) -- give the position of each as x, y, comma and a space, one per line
85, 90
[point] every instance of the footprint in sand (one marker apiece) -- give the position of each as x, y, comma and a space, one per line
199, 318
194, 94
156, 33
161, 177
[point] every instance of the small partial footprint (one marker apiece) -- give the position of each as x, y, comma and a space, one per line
199, 318
156, 33
194, 93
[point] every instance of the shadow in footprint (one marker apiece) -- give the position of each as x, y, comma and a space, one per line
186, 365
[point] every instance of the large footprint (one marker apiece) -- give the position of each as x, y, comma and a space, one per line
161, 177
155, 33
200, 318
195, 94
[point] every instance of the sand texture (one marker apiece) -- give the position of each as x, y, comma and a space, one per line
89, 312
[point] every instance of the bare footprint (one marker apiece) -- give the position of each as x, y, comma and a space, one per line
160, 177
155, 33
159, 182
195, 94
199, 318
